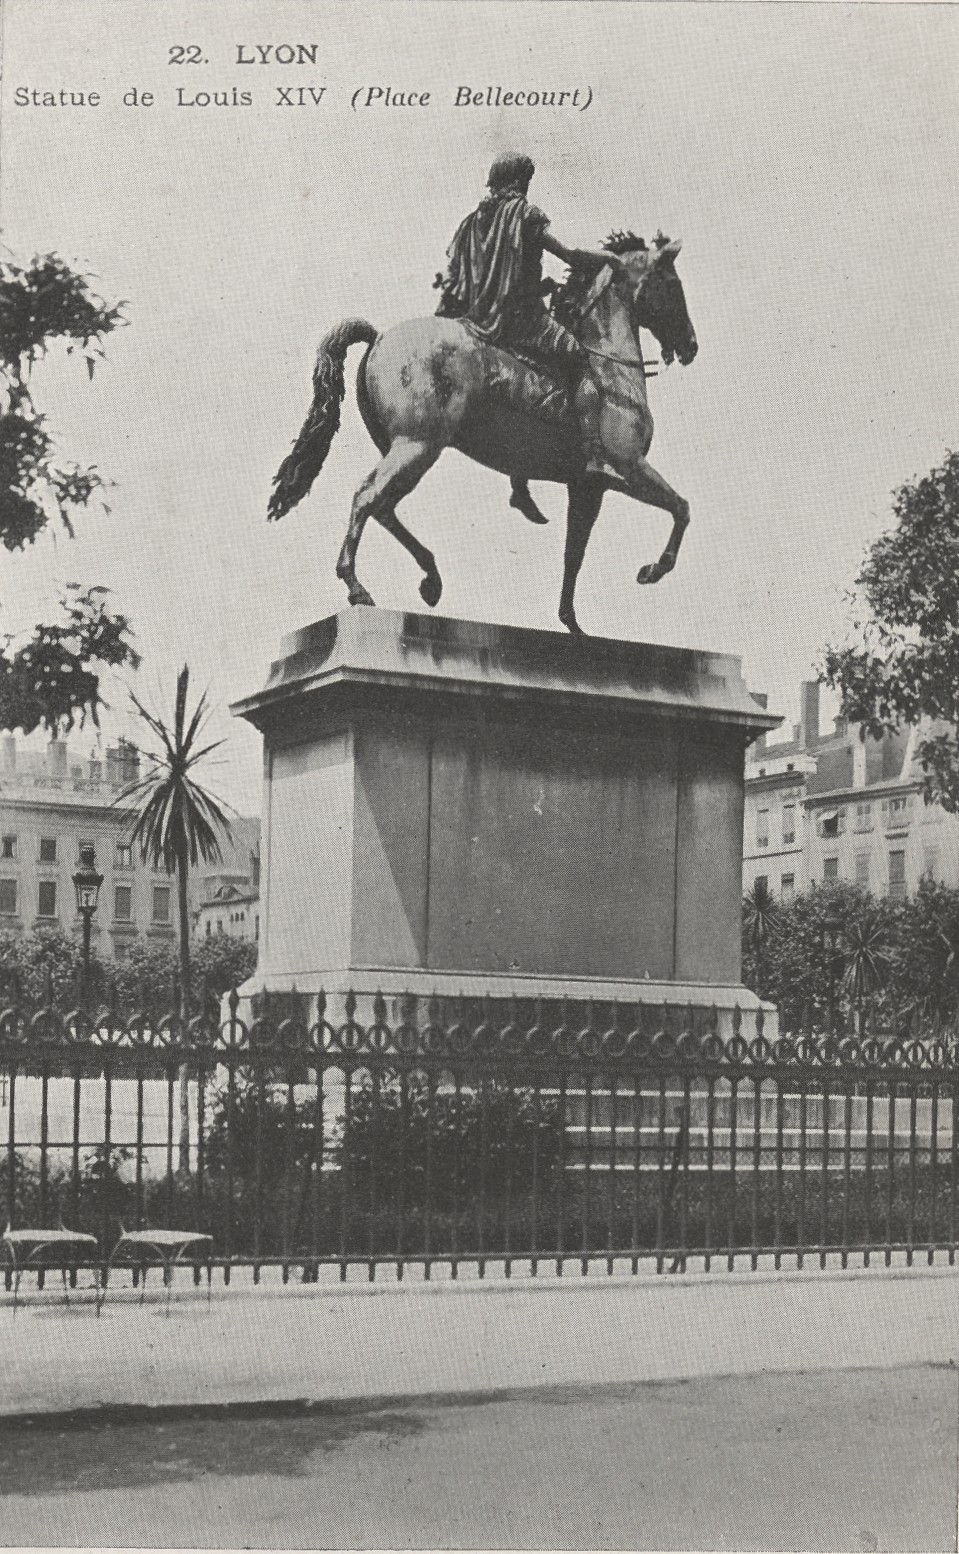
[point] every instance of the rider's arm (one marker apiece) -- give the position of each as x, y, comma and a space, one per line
579, 258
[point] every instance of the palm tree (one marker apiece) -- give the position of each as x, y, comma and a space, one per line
759, 922
178, 824
868, 960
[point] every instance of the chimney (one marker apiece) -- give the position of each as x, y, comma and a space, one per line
809, 714
57, 760
9, 758
759, 744
859, 762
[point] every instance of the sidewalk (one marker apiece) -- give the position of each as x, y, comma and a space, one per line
362, 1342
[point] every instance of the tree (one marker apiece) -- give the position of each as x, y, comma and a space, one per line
904, 667
868, 958
759, 924
52, 679
151, 973
178, 823
800, 972
47, 960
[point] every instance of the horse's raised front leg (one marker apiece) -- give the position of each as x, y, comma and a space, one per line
398, 472
647, 485
521, 499
585, 501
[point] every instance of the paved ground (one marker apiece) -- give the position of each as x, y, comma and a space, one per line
804, 1411
860, 1460
379, 1341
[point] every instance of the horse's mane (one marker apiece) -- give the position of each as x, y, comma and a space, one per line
568, 297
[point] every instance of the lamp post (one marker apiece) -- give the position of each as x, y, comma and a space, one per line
86, 883
832, 933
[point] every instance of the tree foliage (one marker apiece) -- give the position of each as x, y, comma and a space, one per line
904, 665
148, 976
891, 958
53, 678
177, 824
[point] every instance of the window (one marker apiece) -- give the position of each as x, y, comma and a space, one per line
8, 847
862, 870
789, 824
48, 849
832, 822
762, 828
8, 897
256, 926
161, 903
895, 812
47, 899
863, 817
123, 903
209, 928
787, 888
897, 875
830, 868
123, 857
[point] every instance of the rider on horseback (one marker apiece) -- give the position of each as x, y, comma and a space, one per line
494, 283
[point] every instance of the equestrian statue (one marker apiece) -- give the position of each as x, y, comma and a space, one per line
537, 392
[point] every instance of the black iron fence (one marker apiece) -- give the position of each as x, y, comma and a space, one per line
622, 1135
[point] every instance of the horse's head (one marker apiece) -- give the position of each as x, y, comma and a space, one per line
655, 292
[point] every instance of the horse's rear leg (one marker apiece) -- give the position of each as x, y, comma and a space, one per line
432, 585
585, 501
398, 472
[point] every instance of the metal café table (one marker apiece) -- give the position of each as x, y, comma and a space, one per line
26, 1247
169, 1247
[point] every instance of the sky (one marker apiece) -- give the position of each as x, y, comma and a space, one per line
805, 154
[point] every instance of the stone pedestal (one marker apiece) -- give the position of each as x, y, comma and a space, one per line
453, 806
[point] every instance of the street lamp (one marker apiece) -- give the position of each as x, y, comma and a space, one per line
832, 934
86, 883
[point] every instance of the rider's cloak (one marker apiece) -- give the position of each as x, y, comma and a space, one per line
495, 266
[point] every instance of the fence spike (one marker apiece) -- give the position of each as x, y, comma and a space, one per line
760, 1020
349, 1006
379, 1008
737, 1020
320, 1006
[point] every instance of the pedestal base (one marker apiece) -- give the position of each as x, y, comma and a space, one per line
460, 808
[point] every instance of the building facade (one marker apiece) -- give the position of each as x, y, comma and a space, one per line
831, 805
53, 803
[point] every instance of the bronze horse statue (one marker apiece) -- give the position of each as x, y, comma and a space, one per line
429, 384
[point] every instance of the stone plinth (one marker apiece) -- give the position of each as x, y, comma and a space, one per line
458, 806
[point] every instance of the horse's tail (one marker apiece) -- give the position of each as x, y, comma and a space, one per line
301, 466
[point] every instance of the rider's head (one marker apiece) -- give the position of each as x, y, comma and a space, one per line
510, 174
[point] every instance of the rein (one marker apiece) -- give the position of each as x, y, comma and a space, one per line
603, 356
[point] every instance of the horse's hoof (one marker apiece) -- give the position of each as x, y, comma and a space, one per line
528, 508
359, 595
430, 589
572, 624
650, 574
